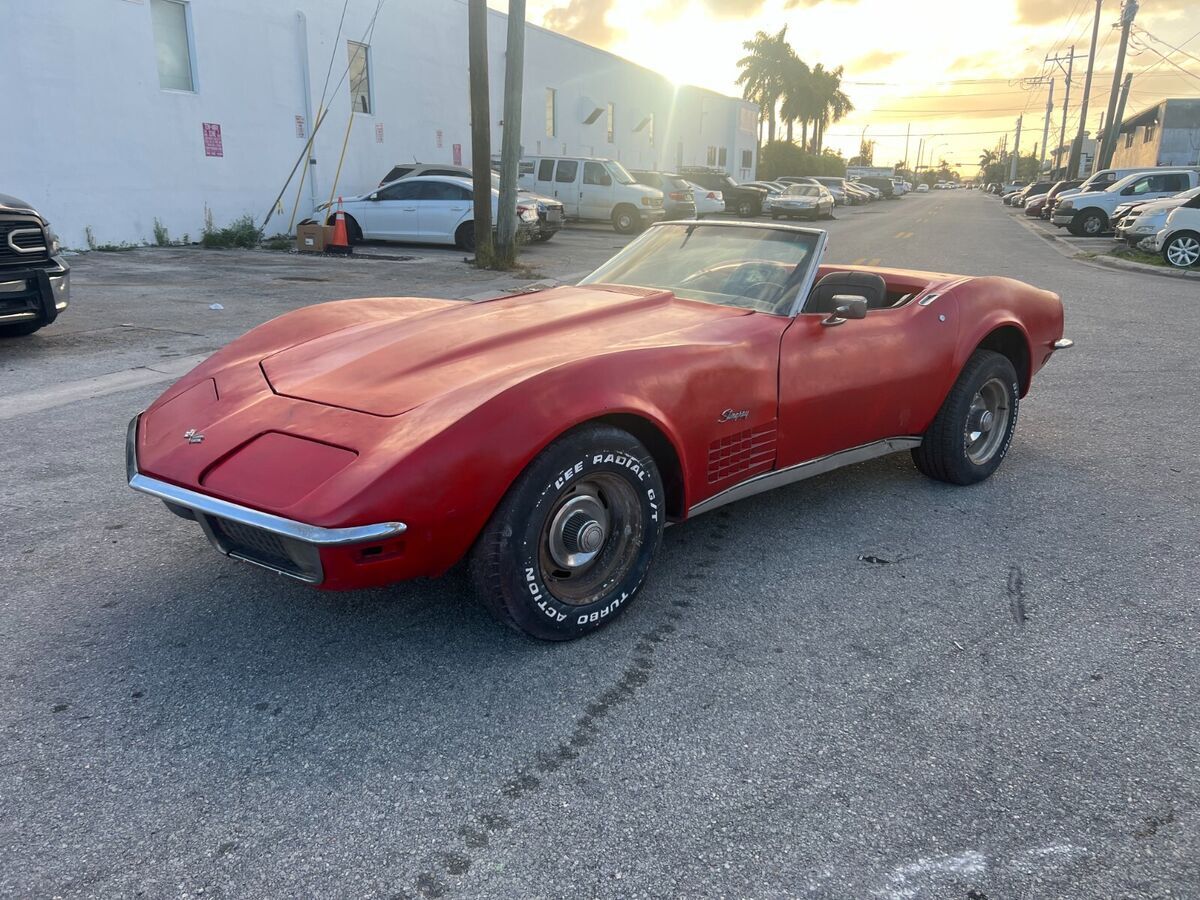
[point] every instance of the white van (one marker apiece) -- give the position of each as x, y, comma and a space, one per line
594, 189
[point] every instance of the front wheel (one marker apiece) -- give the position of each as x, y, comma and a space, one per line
1089, 223
570, 544
1182, 250
745, 209
971, 433
624, 220
464, 237
20, 330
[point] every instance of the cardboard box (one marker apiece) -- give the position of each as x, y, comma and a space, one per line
312, 237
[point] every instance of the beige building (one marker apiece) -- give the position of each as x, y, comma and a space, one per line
1166, 134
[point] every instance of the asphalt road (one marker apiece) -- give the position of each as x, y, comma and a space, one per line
866, 685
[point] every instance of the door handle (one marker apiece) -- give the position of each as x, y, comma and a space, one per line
457, 208
409, 208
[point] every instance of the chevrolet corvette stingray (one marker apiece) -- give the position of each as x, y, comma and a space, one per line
549, 437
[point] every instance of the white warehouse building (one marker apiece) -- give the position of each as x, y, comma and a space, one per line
132, 111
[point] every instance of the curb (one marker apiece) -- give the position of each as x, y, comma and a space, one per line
1103, 261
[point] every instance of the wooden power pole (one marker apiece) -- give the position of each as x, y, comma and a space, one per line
481, 123
1114, 121
510, 147
1077, 144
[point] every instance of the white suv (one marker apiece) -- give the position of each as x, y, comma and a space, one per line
1088, 214
595, 189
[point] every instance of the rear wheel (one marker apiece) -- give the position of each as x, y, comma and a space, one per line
745, 209
464, 237
1182, 250
971, 433
570, 544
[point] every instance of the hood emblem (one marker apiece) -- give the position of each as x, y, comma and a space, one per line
193, 437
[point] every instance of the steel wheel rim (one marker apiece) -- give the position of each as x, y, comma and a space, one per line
987, 421
1091, 225
1183, 251
625, 221
591, 539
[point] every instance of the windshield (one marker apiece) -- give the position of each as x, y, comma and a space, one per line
619, 173
802, 190
751, 267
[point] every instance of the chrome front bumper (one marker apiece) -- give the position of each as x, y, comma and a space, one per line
37, 289
284, 546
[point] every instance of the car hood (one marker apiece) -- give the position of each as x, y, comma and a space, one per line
388, 367
1155, 207
9, 203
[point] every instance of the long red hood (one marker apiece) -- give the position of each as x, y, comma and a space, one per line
387, 367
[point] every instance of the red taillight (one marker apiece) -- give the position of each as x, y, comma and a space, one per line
678, 195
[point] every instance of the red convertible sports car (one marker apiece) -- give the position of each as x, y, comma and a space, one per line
549, 437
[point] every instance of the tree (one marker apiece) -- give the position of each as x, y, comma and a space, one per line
785, 158
832, 104
763, 72
798, 97
987, 158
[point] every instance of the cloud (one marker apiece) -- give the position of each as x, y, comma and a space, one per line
586, 20
792, 4
874, 61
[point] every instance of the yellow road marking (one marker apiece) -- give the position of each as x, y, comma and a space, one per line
904, 234
873, 262
859, 261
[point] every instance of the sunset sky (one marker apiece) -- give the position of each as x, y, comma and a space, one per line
954, 71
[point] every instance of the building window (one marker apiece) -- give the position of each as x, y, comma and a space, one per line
1150, 129
550, 97
747, 159
172, 44
1129, 139
722, 157
712, 156
360, 77
610, 123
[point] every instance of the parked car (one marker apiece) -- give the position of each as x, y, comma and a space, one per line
835, 186
802, 201
1020, 198
1097, 181
1089, 213
678, 201
884, 185
922, 188
857, 194
1143, 221
426, 209
1179, 239
548, 437
35, 280
550, 211
1059, 188
797, 179
740, 199
594, 189
871, 191
708, 202
1034, 204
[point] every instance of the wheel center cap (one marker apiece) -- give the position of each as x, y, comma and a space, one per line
591, 537
986, 419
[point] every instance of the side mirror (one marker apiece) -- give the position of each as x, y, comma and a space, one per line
374, 196
849, 306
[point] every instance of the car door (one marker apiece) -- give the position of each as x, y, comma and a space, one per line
441, 206
543, 177
566, 185
842, 386
391, 213
595, 191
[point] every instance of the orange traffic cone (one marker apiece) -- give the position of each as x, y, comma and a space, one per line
340, 242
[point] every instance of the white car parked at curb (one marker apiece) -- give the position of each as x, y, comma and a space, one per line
1179, 241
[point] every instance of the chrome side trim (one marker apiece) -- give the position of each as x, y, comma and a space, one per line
1064, 344
288, 528
17, 317
770, 480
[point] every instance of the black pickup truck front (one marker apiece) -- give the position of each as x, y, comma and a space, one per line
35, 280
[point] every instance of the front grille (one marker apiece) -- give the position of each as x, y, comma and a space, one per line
264, 548
12, 258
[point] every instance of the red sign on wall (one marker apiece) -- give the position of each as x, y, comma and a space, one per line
457, 148
212, 139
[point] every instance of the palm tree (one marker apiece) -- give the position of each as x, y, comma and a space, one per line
987, 158
797, 97
763, 71
832, 105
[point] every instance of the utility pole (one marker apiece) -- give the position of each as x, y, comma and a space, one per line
510, 147
1016, 154
917, 167
1115, 125
1077, 144
1062, 131
1046, 127
907, 133
1128, 11
481, 123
